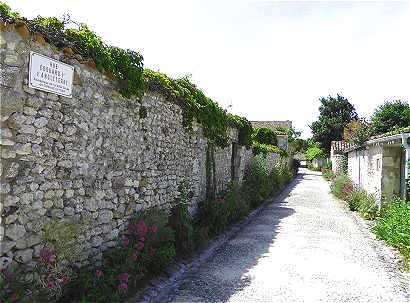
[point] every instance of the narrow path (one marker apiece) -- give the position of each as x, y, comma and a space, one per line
304, 247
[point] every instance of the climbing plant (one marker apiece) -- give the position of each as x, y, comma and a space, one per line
126, 67
195, 104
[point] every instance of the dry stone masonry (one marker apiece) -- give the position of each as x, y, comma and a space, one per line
96, 156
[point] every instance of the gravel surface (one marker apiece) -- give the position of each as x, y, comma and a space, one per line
303, 247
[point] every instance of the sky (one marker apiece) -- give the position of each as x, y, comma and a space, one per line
264, 60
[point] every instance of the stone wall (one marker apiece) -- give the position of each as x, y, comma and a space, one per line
337, 163
96, 156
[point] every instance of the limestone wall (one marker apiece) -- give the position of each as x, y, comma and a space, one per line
96, 155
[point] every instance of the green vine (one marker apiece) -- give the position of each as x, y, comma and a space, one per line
126, 67
261, 148
195, 104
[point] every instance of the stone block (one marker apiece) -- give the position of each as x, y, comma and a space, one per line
24, 256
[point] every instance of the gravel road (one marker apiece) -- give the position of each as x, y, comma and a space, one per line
303, 247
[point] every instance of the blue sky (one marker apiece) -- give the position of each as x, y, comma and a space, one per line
272, 60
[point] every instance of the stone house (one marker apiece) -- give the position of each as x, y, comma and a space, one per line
379, 166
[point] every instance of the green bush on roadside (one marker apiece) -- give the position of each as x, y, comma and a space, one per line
341, 187
368, 208
355, 199
328, 174
358, 200
393, 226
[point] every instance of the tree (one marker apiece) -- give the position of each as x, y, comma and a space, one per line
335, 114
389, 116
265, 135
357, 132
315, 153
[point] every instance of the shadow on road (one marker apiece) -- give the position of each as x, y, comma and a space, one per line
228, 271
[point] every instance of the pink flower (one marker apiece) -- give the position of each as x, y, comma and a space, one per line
154, 228
132, 228
142, 228
140, 246
152, 252
98, 273
65, 280
123, 287
135, 257
125, 241
124, 277
50, 285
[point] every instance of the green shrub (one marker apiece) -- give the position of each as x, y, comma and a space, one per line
228, 207
264, 135
216, 215
256, 181
368, 208
393, 226
183, 224
13, 288
341, 187
355, 199
328, 174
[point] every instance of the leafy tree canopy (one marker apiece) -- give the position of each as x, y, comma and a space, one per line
265, 135
357, 132
315, 153
390, 116
335, 114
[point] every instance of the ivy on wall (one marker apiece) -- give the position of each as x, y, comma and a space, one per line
195, 104
126, 67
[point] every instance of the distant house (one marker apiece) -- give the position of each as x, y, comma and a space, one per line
275, 125
380, 165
